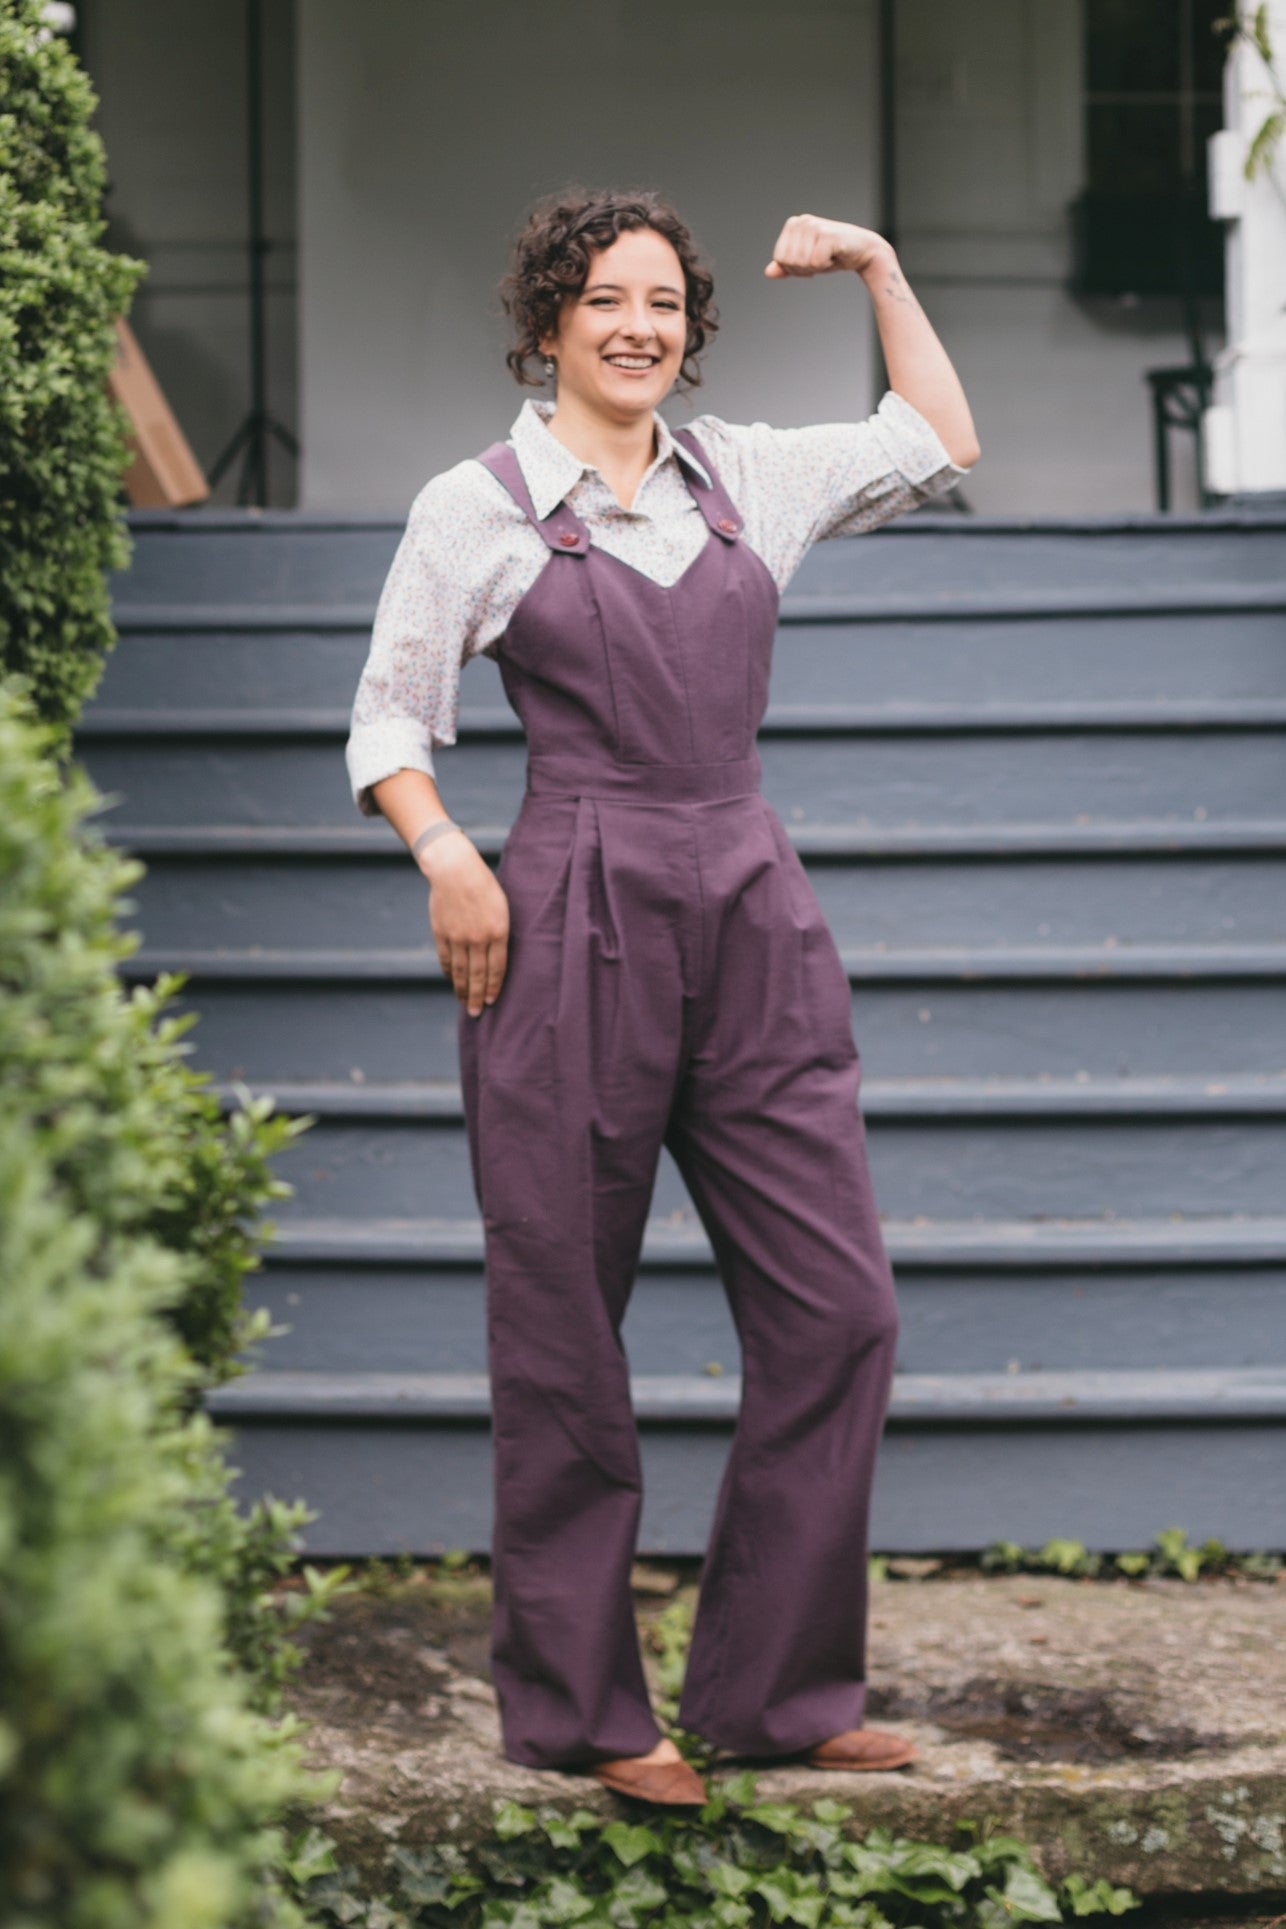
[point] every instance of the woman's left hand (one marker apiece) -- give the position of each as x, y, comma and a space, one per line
811, 245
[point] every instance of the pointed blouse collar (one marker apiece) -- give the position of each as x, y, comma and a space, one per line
549, 468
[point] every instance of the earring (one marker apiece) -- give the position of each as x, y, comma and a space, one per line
549, 365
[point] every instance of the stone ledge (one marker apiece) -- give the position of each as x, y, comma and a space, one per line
1135, 1730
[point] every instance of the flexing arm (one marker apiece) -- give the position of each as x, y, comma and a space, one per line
919, 367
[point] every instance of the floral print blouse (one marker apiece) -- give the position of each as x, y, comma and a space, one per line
468, 553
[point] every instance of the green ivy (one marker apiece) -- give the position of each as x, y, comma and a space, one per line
1171, 1553
736, 1863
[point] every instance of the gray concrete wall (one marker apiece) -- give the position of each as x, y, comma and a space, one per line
424, 137
172, 114
426, 134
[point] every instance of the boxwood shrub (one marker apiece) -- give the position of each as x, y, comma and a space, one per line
63, 438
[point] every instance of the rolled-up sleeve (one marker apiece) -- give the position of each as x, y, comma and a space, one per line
407, 699
796, 487
891, 462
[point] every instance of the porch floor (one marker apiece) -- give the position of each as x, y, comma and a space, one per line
1130, 1729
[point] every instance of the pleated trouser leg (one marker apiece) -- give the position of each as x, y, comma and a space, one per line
708, 1012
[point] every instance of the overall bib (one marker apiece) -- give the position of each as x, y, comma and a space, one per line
671, 981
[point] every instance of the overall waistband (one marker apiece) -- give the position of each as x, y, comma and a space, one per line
563, 776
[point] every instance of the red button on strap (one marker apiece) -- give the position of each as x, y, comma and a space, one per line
569, 539
726, 522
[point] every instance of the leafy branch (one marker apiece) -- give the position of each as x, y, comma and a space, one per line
1252, 28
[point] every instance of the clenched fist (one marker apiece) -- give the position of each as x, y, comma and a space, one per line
811, 245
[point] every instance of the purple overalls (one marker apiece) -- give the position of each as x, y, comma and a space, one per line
671, 981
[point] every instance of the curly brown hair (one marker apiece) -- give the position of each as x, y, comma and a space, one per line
551, 260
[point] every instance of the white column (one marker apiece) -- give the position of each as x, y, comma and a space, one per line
1244, 432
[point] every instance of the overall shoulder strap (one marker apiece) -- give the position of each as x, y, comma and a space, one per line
715, 503
562, 529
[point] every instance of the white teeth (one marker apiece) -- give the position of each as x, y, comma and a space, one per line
632, 361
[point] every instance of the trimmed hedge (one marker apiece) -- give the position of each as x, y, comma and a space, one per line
137, 1139
141, 1781
63, 446
144, 1778
139, 1789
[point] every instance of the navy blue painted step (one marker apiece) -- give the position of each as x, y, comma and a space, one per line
988, 905
300, 1020
968, 1459
1035, 770
1179, 1304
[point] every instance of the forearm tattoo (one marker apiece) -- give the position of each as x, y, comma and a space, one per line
896, 288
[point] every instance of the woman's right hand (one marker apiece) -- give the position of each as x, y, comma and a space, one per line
469, 918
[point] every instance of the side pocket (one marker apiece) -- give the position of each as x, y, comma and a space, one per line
826, 986
830, 995
533, 871
805, 908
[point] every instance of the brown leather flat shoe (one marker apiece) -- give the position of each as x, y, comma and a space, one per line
861, 1748
675, 1783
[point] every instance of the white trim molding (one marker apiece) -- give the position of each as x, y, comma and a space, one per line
1244, 431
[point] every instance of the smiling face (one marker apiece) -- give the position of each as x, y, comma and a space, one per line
621, 340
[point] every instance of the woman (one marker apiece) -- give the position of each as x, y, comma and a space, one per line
649, 965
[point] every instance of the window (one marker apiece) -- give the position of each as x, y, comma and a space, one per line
1153, 96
